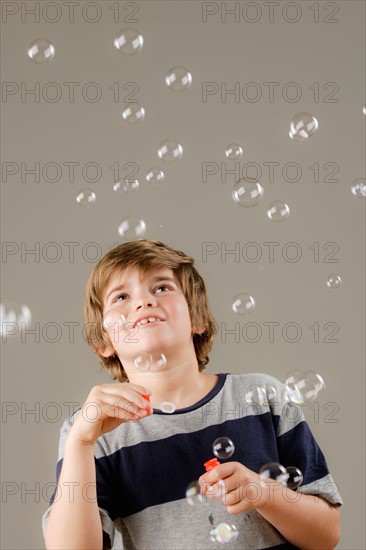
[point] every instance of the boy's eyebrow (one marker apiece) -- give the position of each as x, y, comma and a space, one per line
154, 280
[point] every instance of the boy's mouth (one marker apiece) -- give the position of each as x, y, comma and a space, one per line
148, 320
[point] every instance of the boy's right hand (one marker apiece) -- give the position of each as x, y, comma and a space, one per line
107, 407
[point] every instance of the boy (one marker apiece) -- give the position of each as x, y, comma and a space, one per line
129, 466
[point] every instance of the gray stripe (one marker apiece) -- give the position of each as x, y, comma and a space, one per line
228, 404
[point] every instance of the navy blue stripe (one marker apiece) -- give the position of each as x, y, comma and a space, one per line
156, 472
297, 447
215, 390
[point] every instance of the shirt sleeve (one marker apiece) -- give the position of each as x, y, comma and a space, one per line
298, 447
106, 520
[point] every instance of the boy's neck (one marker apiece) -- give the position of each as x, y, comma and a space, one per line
183, 385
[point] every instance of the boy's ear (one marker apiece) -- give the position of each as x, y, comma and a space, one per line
107, 351
199, 330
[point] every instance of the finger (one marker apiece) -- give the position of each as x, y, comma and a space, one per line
249, 494
219, 472
124, 394
214, 491
121, 407
240, 507
140, 389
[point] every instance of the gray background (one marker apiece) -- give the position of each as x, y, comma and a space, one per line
44, 373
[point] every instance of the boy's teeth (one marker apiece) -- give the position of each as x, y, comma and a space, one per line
145, 321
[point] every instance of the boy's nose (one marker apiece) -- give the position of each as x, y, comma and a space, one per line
145, 301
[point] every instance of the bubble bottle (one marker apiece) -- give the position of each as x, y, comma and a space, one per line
223, 531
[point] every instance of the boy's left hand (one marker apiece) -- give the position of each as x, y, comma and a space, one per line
241, 488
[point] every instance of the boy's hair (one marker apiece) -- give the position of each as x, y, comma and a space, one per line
147, 255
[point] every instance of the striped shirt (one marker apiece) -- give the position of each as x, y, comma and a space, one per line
143, 468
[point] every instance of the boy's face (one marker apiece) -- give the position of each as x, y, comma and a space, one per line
155, 294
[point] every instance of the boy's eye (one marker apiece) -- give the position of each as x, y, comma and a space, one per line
121, 297
162, 286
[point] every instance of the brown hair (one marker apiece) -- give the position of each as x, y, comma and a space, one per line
147, 255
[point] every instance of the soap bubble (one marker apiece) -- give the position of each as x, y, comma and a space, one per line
223, 447
129, 41
86, 197
275, 471
155, 176
358, 188
132, 228
316, 380
256, 396
150, 361
194, 495
178, 79
224, 533
278, 211
260, 395
114, 322
167, 407
302, 393
233, 151
243, 304
113, 319
247, 192
170, 150
271, 392
41, 51
13, 318
126, 186
302, 126
334, 281
299, 388
294, 477
364, 110
133, 113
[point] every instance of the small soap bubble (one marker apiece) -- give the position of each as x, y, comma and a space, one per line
299, 389
233, 151
150, 361
126, 186
256, 396
294, 477
271, 392
194, 495
243, 304
364, 110
41, 51
178, 79
275, 471
114, 320
224, 533
167, 407
132, 228
278, 211
86, 197
334, 281
358, 188
223, 447
129, 41
155, 176
247, 192
13, 318
302, 126
170, 150
133, 113
316, 380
